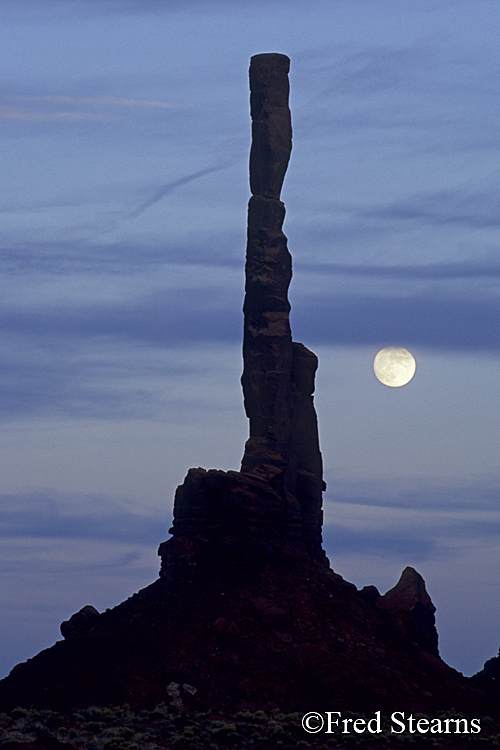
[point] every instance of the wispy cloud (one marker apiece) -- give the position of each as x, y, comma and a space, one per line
415, 518
46, 107
46, 514
160, 317
199, 306
113, 101
111, 361
227, 152
30, 115
430, 96
373, 516
121, 259
93, 8
466, 205
444, 271
169, 187
370, 70
445, 322
477, 494
397, 543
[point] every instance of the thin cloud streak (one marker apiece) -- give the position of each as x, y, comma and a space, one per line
226, 250
418, 518
228, 154
169, 187
122, 259
116, 101
475, 494
370, 71
476, 209
164, 319
468, 269
103, 108
396, 544
437, 322
50, 515
401, 100
417, 529
26, 115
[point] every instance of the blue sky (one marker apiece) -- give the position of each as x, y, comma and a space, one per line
125, 132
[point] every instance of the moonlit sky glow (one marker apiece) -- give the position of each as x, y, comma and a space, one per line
125, 133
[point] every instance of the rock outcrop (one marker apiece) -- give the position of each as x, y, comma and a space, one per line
81, 622
292, 635
247, 612
409, 601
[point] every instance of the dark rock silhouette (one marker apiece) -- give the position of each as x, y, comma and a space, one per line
80, 622
293, 635
247, 612
488, 678
278, 375
272, 508
410, 602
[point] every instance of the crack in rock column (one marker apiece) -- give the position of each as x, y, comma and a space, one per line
278, 375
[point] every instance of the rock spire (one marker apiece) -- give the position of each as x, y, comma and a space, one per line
271, 509
278, 375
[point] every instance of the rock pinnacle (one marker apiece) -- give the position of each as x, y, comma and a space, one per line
278, 376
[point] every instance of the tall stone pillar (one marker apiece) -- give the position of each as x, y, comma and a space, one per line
271, 509
278, 374
267, 339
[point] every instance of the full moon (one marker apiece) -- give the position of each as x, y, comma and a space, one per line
394, 366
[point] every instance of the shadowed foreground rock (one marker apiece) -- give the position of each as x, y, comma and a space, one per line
410, 602
294, 636
247, 612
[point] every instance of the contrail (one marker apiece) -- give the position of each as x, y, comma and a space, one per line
171, 186
227, 152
